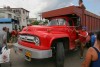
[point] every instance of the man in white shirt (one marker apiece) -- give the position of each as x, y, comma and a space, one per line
3, 38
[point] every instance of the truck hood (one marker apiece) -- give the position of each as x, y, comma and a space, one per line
36, 28
43, 29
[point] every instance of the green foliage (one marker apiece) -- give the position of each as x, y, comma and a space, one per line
35, 23
45, 22
39, 22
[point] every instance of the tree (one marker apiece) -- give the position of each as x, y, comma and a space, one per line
35, 23
45, 22
40, 22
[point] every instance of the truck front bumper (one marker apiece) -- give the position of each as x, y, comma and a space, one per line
32, 53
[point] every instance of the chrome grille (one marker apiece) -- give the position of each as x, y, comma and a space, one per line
27, 38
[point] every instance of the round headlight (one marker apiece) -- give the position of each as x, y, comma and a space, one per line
37, 41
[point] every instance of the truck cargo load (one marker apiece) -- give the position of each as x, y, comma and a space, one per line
88, 19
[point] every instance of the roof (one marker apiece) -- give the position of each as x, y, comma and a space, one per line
16, 8
21, 8
92, 14
58, 12
5, 20
66, 11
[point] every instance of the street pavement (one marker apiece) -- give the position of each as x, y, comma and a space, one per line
72, 60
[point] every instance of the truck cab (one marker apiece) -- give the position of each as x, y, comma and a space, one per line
40, 42
65, 26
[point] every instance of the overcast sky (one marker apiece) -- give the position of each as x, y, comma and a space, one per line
37, 6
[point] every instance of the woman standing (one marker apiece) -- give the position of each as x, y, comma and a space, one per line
92, 58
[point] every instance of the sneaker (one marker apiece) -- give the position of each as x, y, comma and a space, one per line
81, 57
76, 49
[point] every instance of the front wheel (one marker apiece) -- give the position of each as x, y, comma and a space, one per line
60, 55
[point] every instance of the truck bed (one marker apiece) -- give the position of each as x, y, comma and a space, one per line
88, 19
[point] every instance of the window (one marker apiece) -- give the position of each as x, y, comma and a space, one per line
15, 17
70, 23
2, 15
78, 22
9, 16
14, 11
59, 22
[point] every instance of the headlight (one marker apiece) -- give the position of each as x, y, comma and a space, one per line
36, 41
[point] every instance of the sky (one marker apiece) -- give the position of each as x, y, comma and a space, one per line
38, 6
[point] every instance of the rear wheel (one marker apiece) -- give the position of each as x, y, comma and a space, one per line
60, 55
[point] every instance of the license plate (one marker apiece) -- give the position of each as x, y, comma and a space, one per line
28, 54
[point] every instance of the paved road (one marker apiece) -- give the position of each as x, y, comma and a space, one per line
72, 60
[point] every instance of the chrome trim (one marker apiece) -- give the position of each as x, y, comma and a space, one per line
26, 38
38, 54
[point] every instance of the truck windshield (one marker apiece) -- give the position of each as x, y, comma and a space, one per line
57, 22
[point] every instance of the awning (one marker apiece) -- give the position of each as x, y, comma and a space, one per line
5, 20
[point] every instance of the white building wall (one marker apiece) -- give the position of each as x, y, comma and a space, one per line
22, 16
2, 15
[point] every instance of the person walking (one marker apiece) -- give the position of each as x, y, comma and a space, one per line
8, 35
3, 38
92, 58
14, 34
1, 41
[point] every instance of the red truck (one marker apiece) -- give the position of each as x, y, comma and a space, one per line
58, 36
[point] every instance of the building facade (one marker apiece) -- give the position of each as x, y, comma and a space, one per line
19, 14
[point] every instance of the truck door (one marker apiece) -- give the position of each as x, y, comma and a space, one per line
72, 34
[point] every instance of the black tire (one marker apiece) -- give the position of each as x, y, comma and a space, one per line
60, 55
